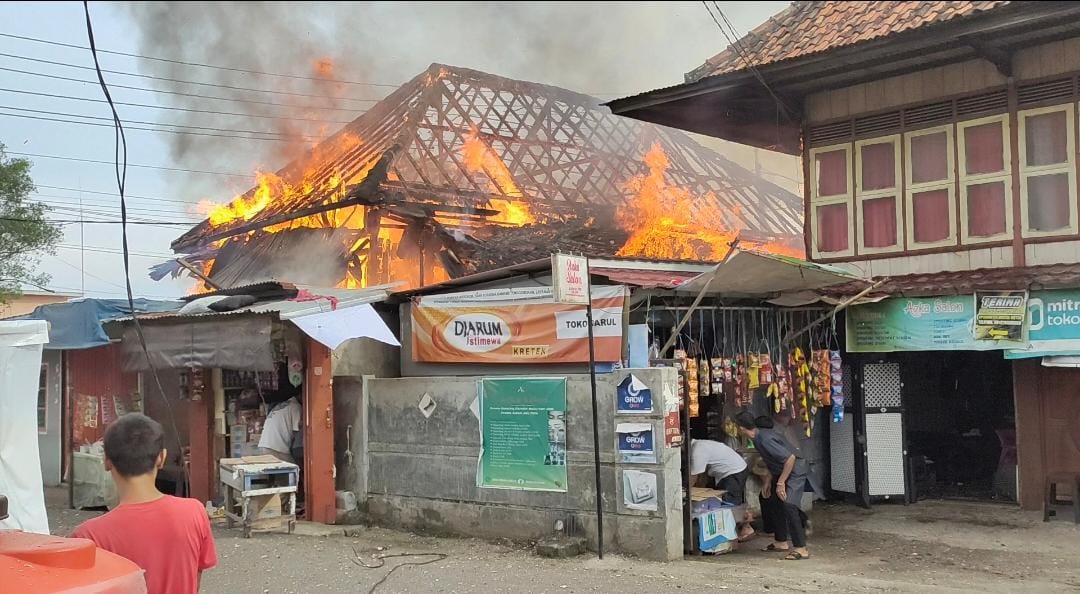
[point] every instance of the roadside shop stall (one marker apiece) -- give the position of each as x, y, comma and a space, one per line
223, 365
750, 334
659, 327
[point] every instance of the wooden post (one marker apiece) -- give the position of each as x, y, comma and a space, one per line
201, 444
321, 501
1019, 253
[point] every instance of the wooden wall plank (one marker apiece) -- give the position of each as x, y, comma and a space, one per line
321, 504
1028, 432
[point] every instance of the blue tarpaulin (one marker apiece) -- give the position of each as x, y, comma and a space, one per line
77, 324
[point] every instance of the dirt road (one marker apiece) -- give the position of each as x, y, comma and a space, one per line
946, 547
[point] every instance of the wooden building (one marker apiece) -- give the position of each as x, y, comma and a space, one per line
939, 147
460, 171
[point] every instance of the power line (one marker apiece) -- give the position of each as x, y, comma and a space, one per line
71, 212
89, 216
147, 223
141, 129
182, 94
174, 108
141, 166
105, 250
734, 44
120, 158
113, 194
171, 61
71, 209
191, 82
102, 201
240, 70
95, 222
184, 126
82, 270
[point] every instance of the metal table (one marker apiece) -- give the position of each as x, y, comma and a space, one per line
254, 479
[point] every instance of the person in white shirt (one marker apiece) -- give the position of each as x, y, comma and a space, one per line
281, 434
723, 465
727, 471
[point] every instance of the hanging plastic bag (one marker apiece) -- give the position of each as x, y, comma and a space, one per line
704, 377
822, 375
753, 371
716, 375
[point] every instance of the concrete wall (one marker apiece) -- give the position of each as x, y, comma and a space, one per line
421, 472
352, 362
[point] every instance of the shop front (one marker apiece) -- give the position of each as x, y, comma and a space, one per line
954, 397
232, 385
751, 336
673, 361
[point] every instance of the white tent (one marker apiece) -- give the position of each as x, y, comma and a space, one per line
20, 471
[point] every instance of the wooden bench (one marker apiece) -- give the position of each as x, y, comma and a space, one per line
1072, 480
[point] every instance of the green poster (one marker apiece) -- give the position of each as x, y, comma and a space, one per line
918, 324
523, 433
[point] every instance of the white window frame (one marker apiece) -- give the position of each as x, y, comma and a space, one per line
911, 188
896, 193
817, 200
1068, 167
981, 178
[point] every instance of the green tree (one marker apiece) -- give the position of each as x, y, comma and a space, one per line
24, 232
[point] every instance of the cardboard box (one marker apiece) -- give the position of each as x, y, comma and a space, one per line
265, 506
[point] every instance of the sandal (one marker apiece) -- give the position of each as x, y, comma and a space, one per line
795, 556
772, 548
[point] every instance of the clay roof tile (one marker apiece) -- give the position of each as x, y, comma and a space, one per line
808, 27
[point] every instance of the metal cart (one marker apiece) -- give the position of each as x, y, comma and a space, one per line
250, 482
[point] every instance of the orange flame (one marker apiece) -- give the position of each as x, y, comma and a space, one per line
665, 221
324, 68
668, 222
479, 158
271, 188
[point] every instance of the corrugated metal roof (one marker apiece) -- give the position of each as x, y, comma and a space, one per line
646, 279
288, 308
651, 271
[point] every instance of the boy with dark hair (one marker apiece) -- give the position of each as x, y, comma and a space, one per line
168, 537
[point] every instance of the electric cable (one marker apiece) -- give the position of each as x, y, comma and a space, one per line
193, 82
435, 557
175, 108
141, 129
181, 93
142, 166
120, 146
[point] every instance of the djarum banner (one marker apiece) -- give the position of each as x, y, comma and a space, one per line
518, 325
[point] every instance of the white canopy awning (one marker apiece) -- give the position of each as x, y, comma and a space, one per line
755, 274
332, 328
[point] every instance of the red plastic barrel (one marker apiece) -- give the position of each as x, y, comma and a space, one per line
37, 563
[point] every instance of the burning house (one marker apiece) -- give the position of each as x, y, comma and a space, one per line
458, 171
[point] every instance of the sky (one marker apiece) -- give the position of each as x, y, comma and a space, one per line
608, 49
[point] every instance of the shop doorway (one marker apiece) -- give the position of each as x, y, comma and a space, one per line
960, 425
926, 425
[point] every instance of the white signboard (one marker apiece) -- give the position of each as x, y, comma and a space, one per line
570, 278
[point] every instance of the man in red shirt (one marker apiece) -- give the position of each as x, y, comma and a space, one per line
167, 536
